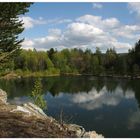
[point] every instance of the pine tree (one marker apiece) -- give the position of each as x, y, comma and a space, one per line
10, 28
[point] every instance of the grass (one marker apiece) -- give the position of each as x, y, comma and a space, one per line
20, 73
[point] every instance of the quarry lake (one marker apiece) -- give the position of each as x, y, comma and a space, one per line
109, 106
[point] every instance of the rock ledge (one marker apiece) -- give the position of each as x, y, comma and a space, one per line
46, 126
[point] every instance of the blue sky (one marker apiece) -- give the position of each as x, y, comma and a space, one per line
81, 25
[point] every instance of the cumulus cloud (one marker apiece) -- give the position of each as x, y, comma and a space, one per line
88, 31
128, 31
113, 27
97, 6
28, 44
134, 7
31, 22
99, 22
53, 39
80, 34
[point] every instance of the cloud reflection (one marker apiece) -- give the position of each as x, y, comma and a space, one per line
93, 99
19, 100
134, 120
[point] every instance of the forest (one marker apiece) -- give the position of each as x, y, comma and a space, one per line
53, 62
76, 61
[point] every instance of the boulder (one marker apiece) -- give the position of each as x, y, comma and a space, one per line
79, 130
30, 109
81, 133
22, 110
3, 97
92, 134
35, 110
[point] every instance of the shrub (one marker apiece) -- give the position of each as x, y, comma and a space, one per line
37, 96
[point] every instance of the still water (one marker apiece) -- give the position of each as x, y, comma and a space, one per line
107, 105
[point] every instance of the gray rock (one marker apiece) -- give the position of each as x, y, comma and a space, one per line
35, 110
3, 97
92, 134
30, 109
79, 130
21, 109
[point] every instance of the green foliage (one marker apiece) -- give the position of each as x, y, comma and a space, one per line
111, 58
135, 69
10, 28
37, 96
53, 62
33, 61
76, 61
134, 58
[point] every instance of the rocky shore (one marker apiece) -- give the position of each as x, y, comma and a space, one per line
29, 121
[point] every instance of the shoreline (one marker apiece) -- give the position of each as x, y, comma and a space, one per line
13, 75
29, 121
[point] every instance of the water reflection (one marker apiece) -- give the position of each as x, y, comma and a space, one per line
110, 106
93, 99
90, 92
134, 120
19, 100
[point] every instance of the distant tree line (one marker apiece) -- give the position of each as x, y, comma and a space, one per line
74, 61
77, 61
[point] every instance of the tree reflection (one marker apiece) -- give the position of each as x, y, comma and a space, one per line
111, 85
69, 85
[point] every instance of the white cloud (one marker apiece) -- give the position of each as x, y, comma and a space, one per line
97, 6
89, 31
30, 22
128, 31
47, 42
84, 29
28, 44
99, 22
80, 34
112, 26
55, 32
60, 21
53, 39
56, 21
110, 23
134, 7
